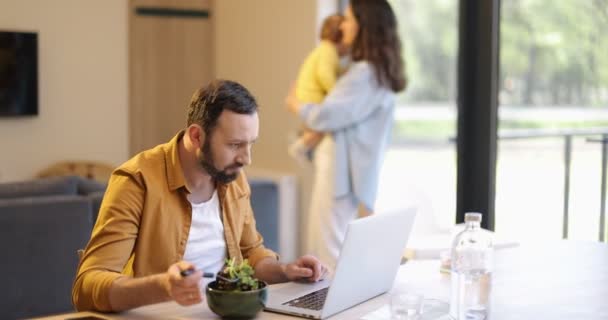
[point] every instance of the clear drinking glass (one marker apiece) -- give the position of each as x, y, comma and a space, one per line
406, 306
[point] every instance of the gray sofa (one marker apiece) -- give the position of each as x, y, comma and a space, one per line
44, 222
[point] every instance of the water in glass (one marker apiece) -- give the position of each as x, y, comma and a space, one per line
406, 306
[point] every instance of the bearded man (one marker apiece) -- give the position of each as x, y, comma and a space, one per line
183, 205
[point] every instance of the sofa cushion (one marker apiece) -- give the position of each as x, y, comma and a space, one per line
39, 237
39, 187
87, 186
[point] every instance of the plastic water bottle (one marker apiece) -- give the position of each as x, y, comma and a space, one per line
471, 271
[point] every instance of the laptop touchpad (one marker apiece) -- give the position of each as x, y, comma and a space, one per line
289, 290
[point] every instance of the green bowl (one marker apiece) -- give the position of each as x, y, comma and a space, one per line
236, 304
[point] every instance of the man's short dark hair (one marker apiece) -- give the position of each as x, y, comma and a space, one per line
209, 101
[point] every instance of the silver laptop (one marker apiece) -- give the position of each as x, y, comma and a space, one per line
367, 266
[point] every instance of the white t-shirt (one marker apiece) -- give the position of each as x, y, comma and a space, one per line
206, 247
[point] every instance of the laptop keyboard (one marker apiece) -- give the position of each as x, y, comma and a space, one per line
313, 301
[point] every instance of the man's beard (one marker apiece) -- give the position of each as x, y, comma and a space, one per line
220, 176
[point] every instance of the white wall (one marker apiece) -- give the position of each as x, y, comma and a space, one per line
83, 93
261, 44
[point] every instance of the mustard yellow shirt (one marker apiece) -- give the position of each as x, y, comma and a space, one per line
318, 73
144, 221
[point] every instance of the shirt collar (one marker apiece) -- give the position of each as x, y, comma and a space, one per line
175, 174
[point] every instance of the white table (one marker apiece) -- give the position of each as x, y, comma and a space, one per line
559, 280
424, 276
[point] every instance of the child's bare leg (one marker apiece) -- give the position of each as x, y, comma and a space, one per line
311, 138
302, 147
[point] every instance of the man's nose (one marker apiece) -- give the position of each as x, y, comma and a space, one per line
245, 157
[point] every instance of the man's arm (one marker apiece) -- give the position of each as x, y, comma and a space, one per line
127, 293
265, 262
100, 284
111, 243
307, 268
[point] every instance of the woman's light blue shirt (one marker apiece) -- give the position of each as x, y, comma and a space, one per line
358, 112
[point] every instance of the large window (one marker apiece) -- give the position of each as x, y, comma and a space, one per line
553, 84
553, 94
420, 168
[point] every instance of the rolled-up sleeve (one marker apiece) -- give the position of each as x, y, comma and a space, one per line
252, 242
111, 243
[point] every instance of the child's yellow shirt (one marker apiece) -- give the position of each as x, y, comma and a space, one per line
318, 73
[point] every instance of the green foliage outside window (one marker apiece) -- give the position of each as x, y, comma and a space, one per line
552, 53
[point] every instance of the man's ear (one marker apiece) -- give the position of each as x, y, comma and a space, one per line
196, 134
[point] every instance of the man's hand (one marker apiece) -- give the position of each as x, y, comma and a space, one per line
184, 290
307, 268
291, 102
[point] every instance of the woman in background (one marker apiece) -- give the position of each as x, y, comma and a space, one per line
357, 116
